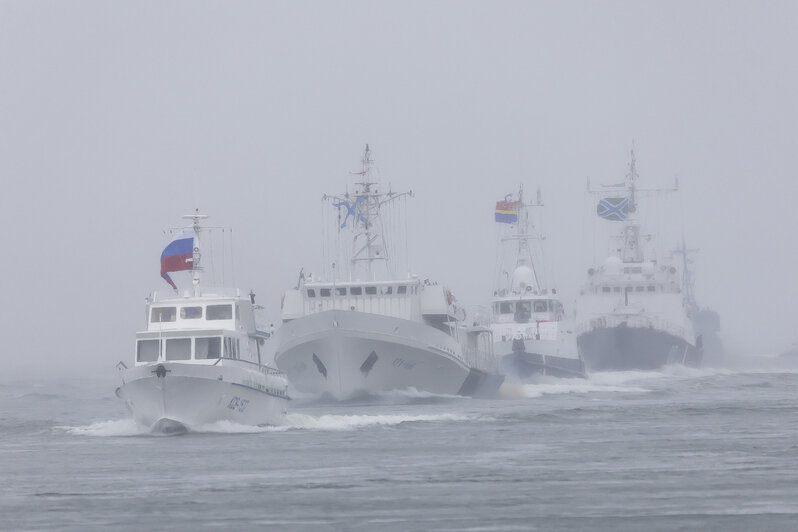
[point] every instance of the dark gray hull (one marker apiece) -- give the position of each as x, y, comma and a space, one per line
625, 348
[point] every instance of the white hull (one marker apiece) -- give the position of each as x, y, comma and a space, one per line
186, 395
344, 353
557, 358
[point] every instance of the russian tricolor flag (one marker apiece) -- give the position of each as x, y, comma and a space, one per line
178, 255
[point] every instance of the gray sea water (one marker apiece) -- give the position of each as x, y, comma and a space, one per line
676, 449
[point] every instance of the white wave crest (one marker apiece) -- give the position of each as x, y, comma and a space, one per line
351, 422
128, 427
570, 386
117, 427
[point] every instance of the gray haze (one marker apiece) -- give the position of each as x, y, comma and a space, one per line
116, 118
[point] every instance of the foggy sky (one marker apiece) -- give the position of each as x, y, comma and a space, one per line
116, 118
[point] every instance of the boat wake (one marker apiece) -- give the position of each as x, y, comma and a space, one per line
116, 427
518, 390
293, 422
393, 397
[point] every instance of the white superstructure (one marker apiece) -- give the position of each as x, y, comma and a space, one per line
531, 335
372, 333
202, 360
633, 311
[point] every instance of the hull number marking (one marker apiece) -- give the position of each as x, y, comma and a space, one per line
236, 403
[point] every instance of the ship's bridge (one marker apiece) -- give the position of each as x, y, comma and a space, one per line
527, 310
200, 328
618, 277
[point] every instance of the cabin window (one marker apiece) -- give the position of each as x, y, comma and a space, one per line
387, 290
311, 292
147, 350
163, 314
401, 289
640, 288
205, 348
629, 288
220, 312
652, 288
523, 311
341, 291
178, 349
616, 289
540, 306
606, 289
506, 307
325, 292
190, 313
356, 290
371, 290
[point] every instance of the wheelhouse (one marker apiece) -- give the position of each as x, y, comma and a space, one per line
171, 347
527, 310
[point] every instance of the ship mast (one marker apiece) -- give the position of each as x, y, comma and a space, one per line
632, 251
524, 232
196, 258
368, 243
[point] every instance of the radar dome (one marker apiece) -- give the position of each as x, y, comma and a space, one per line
523, 280
613, 266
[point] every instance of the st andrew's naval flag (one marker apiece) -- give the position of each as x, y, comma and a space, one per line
613, 209
506, 212
178, 255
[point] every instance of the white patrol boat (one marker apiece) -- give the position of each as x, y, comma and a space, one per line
633, 312
530, 333
201, 359
370, 335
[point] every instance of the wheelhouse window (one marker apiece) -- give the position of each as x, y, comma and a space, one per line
341, 291
652, 288
371, 290
325, 292
163, 314
640, 288
523, 311
606, 289
540, 306
205, 348
356, 290
190, 313
616, 289
387, 290
178, 349
147, 350
401, 289
220, 312
311, 292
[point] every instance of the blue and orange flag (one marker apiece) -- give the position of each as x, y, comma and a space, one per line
506, 212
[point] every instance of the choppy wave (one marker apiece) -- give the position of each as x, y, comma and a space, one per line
128, 427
